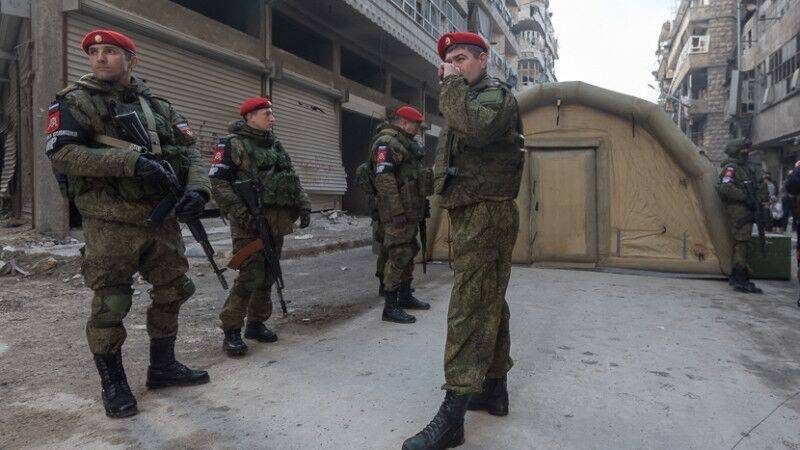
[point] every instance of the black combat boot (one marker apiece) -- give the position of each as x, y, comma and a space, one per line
233, 344
165, 371
393, 313
259, 332
407, 300
446, 429
493, 399
118, 399
742, 282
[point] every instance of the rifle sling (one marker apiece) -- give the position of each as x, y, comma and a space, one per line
149, 117
118, 143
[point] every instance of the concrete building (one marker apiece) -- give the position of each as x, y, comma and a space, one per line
333, 68
696, 52
539, 50
770, 98
495, 20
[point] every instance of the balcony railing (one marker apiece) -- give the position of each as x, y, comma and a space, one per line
436, 17
695, 44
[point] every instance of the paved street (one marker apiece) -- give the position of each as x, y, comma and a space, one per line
603, 360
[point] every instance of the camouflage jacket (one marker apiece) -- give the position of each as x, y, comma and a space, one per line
101, 177
479, 155
735, 174
401, 180
249, 154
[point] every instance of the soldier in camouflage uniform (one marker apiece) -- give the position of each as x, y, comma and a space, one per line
736, 174
251, 152
402, 186
477, 175
115, 184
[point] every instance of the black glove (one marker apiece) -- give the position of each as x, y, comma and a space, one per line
149, 171
399, 221
191, 206
305, 218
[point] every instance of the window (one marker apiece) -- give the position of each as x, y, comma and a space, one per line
243, 15
295, 38
782, 65
361, 70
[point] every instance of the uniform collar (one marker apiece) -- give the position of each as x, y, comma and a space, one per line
241, 128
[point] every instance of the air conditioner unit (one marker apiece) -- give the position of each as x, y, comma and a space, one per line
670, 73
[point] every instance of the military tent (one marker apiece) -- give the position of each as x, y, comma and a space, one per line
609, 181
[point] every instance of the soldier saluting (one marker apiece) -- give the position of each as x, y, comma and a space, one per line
252, 153
402, 185
477, 175
115, 184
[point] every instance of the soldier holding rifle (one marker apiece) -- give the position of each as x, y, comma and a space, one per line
116, 180
256, 186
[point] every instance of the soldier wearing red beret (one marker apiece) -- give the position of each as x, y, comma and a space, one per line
252, 152
116, 178
401, 186
477, 176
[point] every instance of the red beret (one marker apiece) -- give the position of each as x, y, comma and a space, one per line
449, 39
107, 37
410, 113
252, 104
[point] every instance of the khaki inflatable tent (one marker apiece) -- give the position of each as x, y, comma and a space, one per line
609, 181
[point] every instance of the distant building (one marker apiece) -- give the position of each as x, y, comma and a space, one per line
495, 21
696, 51
539, 47
770, 99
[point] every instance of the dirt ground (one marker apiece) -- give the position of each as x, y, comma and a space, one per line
43, 315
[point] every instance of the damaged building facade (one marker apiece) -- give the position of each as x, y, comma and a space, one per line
539, 46
333, 68
732, 68
696, 50
770, 93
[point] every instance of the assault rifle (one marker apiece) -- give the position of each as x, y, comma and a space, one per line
758, 214
134, 130
250, 192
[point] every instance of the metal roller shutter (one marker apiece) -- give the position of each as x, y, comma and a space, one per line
205, 91
308, 126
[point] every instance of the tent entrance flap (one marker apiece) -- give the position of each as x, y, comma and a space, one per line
564, 205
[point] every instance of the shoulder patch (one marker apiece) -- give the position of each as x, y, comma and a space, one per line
53, 118
219, 153
384, 163
728, 174
184, 128
221, 166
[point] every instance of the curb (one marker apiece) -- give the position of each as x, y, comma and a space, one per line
330, 247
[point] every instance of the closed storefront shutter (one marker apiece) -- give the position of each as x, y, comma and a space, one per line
308, 126
205, 91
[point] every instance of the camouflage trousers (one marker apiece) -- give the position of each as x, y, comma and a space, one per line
741, 235
113, 253
478, 339
397, 249
251, 293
